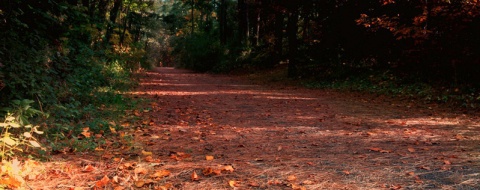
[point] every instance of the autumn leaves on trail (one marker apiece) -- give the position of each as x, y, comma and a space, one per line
219, 132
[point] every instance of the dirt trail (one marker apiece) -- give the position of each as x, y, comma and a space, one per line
294, 138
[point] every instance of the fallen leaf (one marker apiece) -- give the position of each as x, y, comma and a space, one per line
410, 149
140, 171
209, 158
86, 132
298, 187
228, 168
375, 149
161, 174
279, 148
291, 178
233, 183
88, 168
424, 167
207, 171
139, 183
253, 184
149, 159
446, 162
307, 182
411, 173
346, 172
194, 176
145, 153
103, 182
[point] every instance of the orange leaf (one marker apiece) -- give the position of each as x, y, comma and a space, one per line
194, 176
209, 158
253, 184
375, 149
207, 171
140, 171
228, 168
139, 183
88, 168
161, 174
145, 153
233, 183
447, 162
410, 149
291, 178
101, 183
149, 159
346, 172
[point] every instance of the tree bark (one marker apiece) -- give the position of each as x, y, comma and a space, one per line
223, 22
278, 46
292, 29
193, 16
242, 21
117, 5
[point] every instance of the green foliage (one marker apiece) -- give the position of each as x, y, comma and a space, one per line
199, 52
16, 131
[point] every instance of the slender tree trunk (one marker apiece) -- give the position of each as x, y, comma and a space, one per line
257, 31
292, 30
125, 21
117, 5
193, 16
223, 22
279, 26
242, 21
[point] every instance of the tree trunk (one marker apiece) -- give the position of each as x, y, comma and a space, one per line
223, 22
117, 5
257, 31
292, 30
125, 21
278, 46
242, 21
193, 16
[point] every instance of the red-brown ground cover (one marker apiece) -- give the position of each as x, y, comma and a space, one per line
203, 131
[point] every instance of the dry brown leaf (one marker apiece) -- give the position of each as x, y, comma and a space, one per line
140, 171
298, 187
274, 182
291, 178
375, 149
253, 184
307, 182
207, 171
86, 132
10, 182
279, 148
411, 173
346, 172
410, 149
424, 167
446, 162
233, 183
209, 157
119, 188
139, 183
145, 153
194, 176
161, 174
149, 159
88, 168
228, 168
103, 182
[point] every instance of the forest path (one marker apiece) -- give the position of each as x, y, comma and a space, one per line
280, 137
